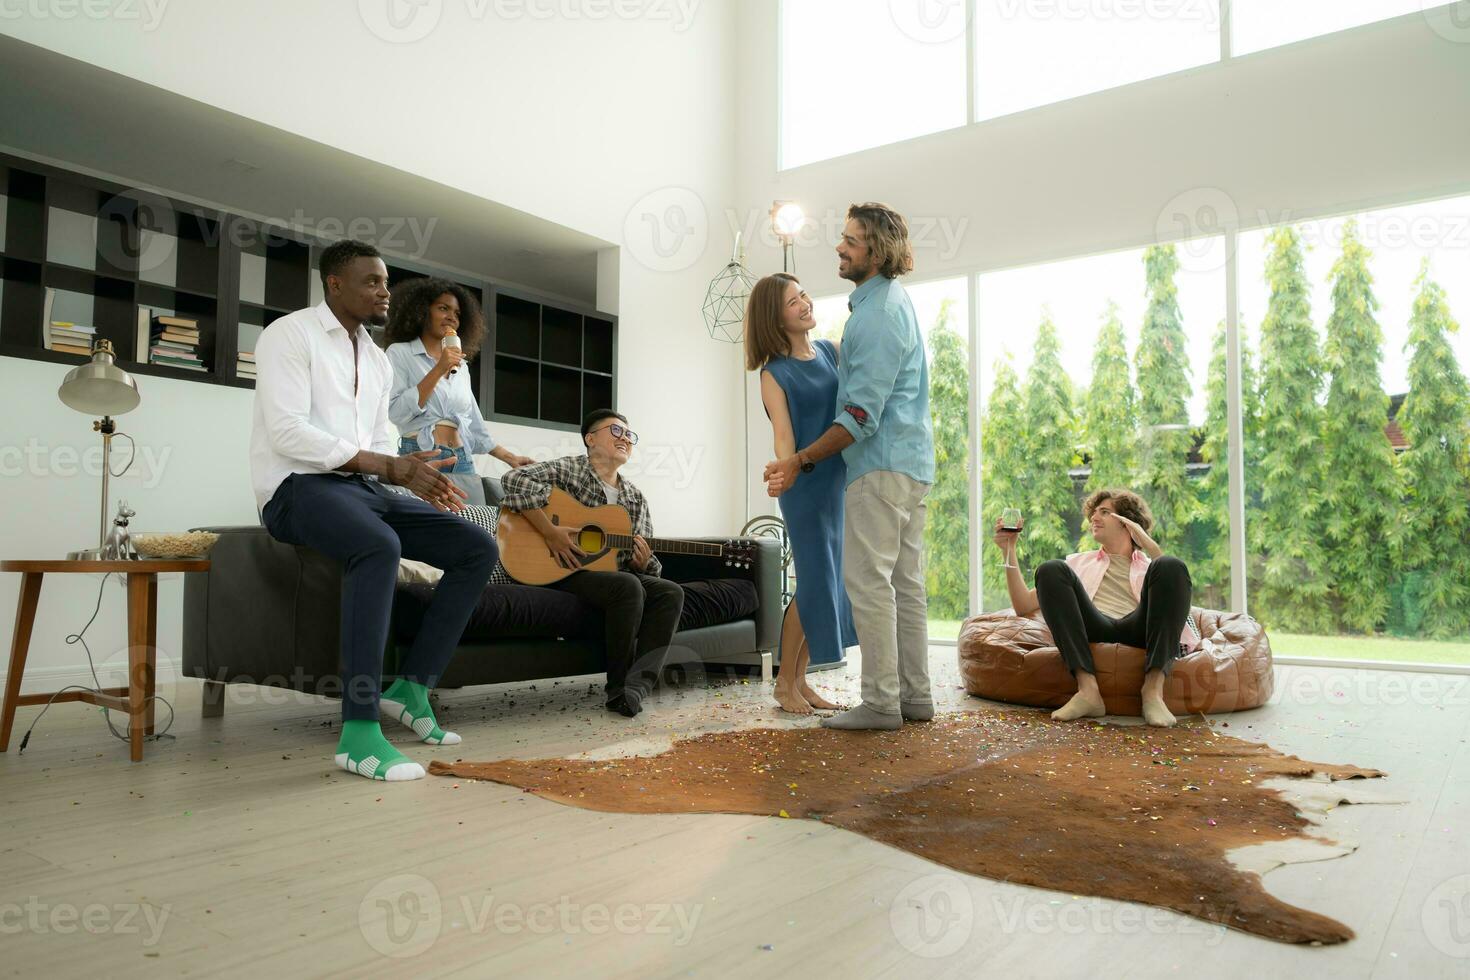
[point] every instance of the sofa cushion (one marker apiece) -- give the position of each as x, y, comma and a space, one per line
502, 612
715, 601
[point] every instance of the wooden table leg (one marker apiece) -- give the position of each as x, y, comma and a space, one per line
140, 668
151, 704
20, 645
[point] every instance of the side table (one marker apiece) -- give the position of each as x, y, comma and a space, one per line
135, 699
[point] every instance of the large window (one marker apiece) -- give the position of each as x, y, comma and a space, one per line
1034, 52
1105, 372
856, 74
943, 311
861, 73
1261, 24
1358, 425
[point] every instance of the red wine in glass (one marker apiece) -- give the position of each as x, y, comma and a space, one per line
1010, 520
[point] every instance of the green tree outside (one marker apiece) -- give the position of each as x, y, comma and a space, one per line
1287, 538
1164, 387
947, 529
1211, 573
1433, 546
1003, 475
1360, 485
1050, 436
1110, 413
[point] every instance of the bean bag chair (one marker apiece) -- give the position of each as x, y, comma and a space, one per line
1005, 657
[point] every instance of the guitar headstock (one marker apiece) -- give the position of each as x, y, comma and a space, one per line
739, 553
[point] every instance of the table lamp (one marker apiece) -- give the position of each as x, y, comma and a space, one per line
100, 387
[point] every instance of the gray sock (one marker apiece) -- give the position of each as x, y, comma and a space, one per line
917, 710
864, 718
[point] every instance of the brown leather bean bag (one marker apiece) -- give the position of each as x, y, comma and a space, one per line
1005, 657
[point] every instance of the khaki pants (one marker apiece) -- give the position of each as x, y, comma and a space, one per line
883, 569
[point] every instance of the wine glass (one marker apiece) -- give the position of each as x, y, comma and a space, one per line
1010, 519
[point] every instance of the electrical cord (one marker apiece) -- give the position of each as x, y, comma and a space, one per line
79, 637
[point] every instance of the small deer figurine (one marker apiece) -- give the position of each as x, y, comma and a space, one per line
119, 546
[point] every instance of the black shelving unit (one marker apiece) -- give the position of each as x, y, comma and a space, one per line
553, 363
109, 250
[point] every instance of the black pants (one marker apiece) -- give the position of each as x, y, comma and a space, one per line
1155, 625
368, 528
640, 615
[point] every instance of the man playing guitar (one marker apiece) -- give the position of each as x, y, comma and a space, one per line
640, 610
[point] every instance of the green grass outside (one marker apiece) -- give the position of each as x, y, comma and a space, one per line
1387, 648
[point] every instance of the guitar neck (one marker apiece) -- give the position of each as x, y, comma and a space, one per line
669, 546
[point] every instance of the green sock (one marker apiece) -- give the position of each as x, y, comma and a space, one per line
363, 750
408, 702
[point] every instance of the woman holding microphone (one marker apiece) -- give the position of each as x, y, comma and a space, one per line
434, 327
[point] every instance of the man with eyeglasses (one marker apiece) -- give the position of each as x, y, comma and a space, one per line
640, 610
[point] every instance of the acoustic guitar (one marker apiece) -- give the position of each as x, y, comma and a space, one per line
602, 533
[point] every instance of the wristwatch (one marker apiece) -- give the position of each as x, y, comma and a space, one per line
806, 465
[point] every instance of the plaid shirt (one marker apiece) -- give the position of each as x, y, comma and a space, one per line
529, 488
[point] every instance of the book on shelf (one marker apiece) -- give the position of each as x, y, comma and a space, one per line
143, 334
246, 355
70, 338
174, 351
46, 318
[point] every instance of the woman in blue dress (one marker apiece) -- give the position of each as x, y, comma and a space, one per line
799, 391
433, 404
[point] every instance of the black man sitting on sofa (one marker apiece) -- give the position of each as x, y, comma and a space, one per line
640, 610
321, 460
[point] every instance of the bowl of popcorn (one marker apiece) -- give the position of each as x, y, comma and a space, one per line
174, 544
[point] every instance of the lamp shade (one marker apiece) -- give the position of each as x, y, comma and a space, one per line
99, 387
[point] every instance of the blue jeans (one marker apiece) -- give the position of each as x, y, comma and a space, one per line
408, 445
367, 528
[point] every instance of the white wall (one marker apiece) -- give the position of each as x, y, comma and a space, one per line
1362, 118
577, 121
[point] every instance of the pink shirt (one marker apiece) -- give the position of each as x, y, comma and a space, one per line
1091, 566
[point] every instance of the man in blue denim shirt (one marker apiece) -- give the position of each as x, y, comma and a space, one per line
884, 433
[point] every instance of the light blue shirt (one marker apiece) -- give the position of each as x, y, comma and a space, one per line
452, 400
883, 385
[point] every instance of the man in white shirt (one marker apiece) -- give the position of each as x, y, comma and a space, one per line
320, 456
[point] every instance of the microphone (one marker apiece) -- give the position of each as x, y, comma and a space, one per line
451, 339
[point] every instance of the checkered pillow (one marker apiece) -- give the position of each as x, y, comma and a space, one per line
485, 516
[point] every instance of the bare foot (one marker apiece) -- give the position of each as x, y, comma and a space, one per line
1157, 714
1081, 706
792, 701
816, 700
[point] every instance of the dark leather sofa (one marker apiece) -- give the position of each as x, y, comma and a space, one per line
268, 613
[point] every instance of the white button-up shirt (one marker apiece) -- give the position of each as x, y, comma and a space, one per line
307, 418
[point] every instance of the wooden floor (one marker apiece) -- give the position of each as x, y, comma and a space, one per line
235, 848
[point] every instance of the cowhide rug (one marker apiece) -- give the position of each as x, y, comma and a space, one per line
1131, 813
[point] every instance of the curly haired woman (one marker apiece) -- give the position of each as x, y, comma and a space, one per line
432, 402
